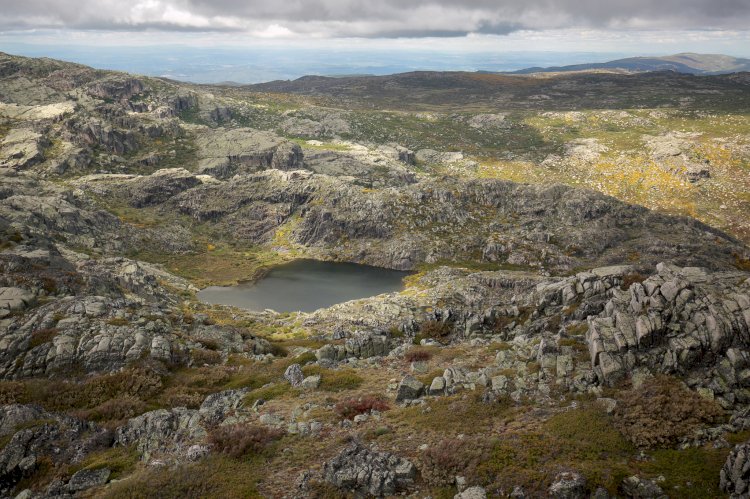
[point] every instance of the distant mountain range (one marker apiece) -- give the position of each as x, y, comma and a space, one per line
699, 64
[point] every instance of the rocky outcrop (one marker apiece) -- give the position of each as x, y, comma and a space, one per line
553, 228
63, 439
677, 320
735, 474
21, 149
225, 153
362, 471
160, 186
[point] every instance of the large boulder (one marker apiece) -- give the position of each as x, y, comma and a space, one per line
410, 388
362, 471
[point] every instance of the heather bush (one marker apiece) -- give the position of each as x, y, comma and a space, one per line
201, 357
442, 462
350, 407
662, 411
240, 440
437, 330
417, 355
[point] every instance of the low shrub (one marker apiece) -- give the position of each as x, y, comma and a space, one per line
340, 380
42, 336
181, 396
202, 357
354, 406
630, 279
209, 344
442, 462
12, 392
240, 440
662, 411
437, 330
116, 409
417, 355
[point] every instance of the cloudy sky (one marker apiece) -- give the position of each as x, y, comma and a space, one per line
627, 27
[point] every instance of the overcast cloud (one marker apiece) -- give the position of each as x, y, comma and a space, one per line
373, 18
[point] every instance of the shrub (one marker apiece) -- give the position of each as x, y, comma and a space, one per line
116, 409
337, 381
42, 336
202, 357
630, 279
12, 392
354, 406
437, 330
181, 396
209, 344
441, 463
417, 355
662, 411
240, 440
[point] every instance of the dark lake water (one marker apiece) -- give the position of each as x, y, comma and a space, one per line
306, 285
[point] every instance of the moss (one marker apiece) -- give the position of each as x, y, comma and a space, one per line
216, 476
121, 461
688, 473
267, 393
118, 321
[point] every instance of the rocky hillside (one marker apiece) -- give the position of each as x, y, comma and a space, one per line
553, 339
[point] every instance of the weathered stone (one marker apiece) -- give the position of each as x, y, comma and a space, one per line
735, 474
641, 488
86, 479
294, 375
410, 388
359, 470
569, 485
310, 382
475, 492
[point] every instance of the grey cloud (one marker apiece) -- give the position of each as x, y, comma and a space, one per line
384, 18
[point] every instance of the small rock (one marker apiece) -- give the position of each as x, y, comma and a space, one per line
569, 485
437, 387
641, 488
475, 492
310, 382
293, 375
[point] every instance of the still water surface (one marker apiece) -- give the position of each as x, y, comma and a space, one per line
306, 285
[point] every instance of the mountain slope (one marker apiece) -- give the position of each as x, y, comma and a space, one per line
699, 64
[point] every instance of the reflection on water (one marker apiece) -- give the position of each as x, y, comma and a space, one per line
306, 285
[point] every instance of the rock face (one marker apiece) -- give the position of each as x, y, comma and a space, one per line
735, 474
160, 186
362, 471
224, 153
555, 227
673, 322
61, 438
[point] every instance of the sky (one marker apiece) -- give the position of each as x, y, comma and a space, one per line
262, 39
